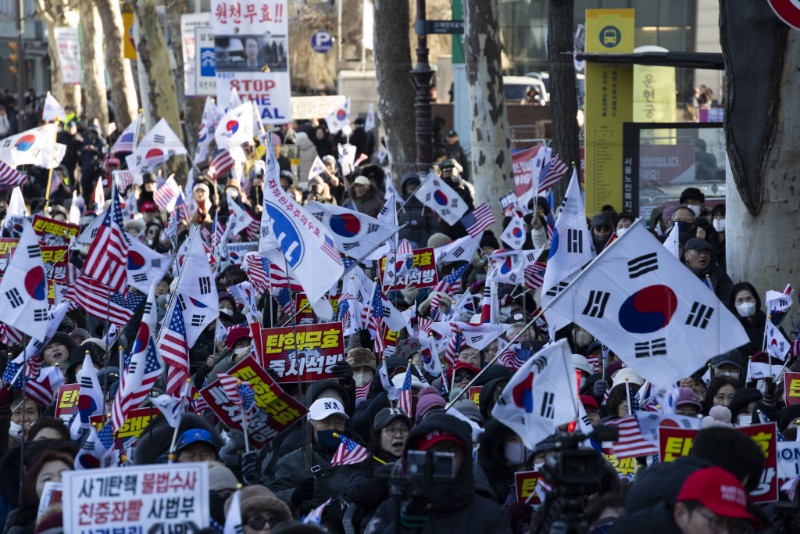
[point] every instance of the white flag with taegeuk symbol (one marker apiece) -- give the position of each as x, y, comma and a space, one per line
441, 198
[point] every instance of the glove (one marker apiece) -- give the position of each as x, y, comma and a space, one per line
413, 515
250, 468
519, 511
229, 453
303, 492
600, 388
343, 370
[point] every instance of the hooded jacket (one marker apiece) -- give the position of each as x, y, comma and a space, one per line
452, 505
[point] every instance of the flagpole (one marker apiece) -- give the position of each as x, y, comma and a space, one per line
23, 403
244, 423
50, 169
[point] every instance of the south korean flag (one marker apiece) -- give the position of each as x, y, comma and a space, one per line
355, 234
650, 309
441, 198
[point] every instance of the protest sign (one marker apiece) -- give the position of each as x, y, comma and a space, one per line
475, 394
69, 58
304, 312
67, 402
134, 424
765, 436
791, 382
51, 496
529, 487
55, 262
277, 409
625, 467
52, 232
675, 442
251, 51
788, 461
146, 498
304, 353
189, 23
422, 272
523, 173
315, 107
7, 246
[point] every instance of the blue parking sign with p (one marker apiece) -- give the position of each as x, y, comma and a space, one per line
322, 41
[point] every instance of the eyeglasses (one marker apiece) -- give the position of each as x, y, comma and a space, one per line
722, 524
258, 522
395, 430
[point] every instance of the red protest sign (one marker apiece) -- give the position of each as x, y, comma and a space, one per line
7, 246
303, 353
55, 263
766, 436
52, 232
67, 402
475, 394
791, 382
134, 424
529, 487
675, 442
278, 410
422, 272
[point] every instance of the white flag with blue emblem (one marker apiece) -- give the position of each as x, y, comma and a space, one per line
648, 308
305, 245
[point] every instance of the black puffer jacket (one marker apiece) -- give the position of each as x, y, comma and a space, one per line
453, 505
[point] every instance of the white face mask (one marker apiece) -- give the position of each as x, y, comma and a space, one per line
746, 309
15, 430
621, 231
745, 420
362, 378
695, 209
514, 452
226, 311
719, 225
241, 351
731, 374
583, 338
538, 467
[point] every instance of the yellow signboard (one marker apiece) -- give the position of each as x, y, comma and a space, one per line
609, 97
129, 47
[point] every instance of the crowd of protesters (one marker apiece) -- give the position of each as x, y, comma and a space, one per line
703, 491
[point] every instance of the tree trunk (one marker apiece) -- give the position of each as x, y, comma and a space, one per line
563, 99
491, 148
123, 91
395, 89
160, 89
92, 66
54, 14
762, 125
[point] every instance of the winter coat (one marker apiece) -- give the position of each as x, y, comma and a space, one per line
369, 204
655, 520
421, 222
453, 505
754, 326
661, 483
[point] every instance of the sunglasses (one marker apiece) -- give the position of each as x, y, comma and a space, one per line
257, 522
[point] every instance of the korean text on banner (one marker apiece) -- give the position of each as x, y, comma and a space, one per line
309, 351
170, 498
251, 48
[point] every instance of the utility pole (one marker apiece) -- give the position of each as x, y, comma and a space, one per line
422, 74
20, 53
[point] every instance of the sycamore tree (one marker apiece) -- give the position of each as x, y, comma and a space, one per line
762, 125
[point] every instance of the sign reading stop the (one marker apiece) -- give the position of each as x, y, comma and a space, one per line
788, 11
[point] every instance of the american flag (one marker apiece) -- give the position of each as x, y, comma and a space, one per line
166, 194
135, 384
454, 345
329, 248
284, 298
375, 321
314, 517
43, 389
100, 301
405, 400
513, 356
107, 259
230, 385
199, 404
279, 278
362, 392
553, 171
217, 232
451, 283
174, 348
10, 336
34, 364
349, 452
10, 177
253, 230
257, 269
12, 374
221, 162
631, 443
478, 220
434, 309
181, 210
56, 182
534, 274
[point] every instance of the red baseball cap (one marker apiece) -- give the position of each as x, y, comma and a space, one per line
148, 207
436, 436
588, 400
719, 491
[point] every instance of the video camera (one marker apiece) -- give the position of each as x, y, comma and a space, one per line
429, 465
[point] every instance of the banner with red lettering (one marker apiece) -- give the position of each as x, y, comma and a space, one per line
252, 51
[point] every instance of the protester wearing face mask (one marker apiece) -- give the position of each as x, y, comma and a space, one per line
746, 303
742, 405
500, 454
294, 483
229, 314
584, 369
364, 365
729, 364
239, 346
624, 222
602, 228
718, 223
580, 339
29, 411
